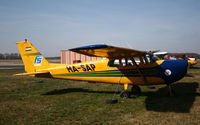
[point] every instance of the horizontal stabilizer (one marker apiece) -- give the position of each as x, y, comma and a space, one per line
31, 73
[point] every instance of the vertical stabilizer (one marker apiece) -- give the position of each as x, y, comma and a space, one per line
31, 57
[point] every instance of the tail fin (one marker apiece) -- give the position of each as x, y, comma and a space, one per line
31, 57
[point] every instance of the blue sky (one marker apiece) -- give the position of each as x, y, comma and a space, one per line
54, 25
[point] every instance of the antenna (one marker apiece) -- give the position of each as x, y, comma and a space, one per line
129, 46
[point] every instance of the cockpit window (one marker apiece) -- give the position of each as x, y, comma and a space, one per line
127, 62
136, 60
114, 63
150, 58
140, 60
120, 62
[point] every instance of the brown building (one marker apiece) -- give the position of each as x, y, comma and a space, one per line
69, 57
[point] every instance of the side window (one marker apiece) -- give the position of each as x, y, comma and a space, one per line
146, 59
127, 62
141, 60
114, 62
137, 60
120, 62
123, 62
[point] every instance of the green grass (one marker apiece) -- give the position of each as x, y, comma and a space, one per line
29, 100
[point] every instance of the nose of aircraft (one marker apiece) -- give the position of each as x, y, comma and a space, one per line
173, 70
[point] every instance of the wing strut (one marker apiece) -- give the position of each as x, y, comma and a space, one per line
140, 72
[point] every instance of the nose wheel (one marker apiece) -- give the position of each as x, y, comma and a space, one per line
124, 94
134, 90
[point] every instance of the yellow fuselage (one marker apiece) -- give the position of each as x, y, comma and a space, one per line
144, 72
99, 71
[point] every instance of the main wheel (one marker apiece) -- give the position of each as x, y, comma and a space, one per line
125, 94
135, 89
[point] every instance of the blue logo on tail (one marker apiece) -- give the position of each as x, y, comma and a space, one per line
38, 61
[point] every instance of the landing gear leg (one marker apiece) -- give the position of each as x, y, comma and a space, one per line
135, 89
125, 93
170, 91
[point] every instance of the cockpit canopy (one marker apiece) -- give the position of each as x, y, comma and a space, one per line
136, 60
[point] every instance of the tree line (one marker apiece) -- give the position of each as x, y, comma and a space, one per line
10, 56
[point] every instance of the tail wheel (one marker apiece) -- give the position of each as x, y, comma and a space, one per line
125, 94
135, 89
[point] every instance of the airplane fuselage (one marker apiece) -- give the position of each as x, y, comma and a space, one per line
159, 72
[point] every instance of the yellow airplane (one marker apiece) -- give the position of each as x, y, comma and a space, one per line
192, 62
120, 66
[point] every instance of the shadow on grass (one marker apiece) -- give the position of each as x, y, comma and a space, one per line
185, 94
189, 75
193, 67
70, 90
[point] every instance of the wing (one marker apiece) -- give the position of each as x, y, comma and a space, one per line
102, 50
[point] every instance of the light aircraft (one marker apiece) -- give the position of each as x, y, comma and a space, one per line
191, 60
120, 66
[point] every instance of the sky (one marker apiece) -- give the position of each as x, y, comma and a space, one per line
54, 25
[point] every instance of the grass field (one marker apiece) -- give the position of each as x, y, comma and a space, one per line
36, 101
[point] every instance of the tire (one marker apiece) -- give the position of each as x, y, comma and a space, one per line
135, 89
124, 94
